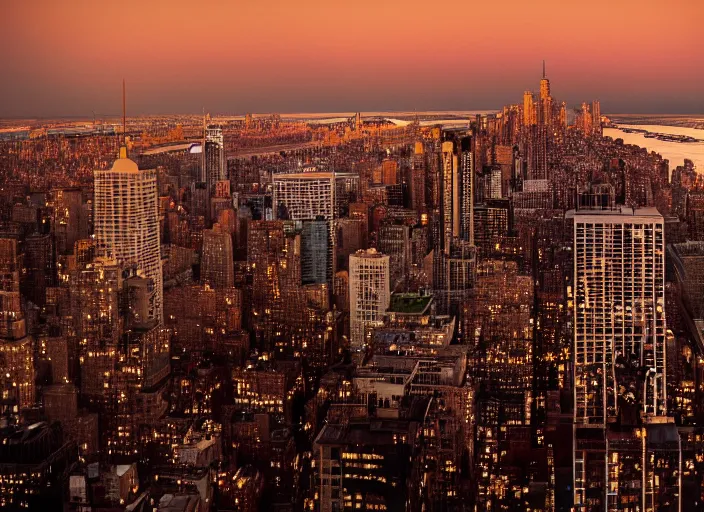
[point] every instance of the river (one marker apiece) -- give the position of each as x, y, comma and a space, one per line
675, 152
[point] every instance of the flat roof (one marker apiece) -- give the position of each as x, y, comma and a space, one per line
314, 175
409, 303
617, 211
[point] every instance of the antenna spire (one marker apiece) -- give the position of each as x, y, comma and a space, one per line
543, 68
124, 118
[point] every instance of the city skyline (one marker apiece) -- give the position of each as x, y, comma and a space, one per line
318, 57
486, 309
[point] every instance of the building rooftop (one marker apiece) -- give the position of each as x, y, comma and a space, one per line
178, 503
313, 175
124, 164
409, 303
616, 211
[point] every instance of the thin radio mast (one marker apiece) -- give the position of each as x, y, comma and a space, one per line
124, 118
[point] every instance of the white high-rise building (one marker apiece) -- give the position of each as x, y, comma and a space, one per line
370, 293
619, 281
311, 196
214, 163
619, 346
126, 223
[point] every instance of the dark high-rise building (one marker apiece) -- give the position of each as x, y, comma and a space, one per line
394, 240
491, 223
36, 462
217, 265
70, 220
16, 351
536, 150
39, 266
314, 252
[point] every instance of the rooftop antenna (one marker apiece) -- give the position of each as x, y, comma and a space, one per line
124, 122
543, 68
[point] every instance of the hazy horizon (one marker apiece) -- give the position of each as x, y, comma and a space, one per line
69, 58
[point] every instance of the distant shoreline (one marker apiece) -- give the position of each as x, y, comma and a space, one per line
695, 121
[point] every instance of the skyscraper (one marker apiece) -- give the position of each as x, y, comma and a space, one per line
314, 252
126, 222
528, 109
214, 166
450, 196
545, 100
417, 185
619, 339
453, 256
466, 177
308, 196
544, 86
16, 357
619, 307
370, 294
596, 117
217, 265
536, 149
586, 119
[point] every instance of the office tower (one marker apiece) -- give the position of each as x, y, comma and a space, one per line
545, 100
536, 149
274, 256
417, 184
16, 352
450, 196
563, 115
489, 184
394, 240
126, 222
544, 86
217, 268
453, 255
306, 195
619, 338
138, 387
503, 157
314, 252
529, 117
370, 293
70, 221
351, 237
313, 196
94, 302
40, 267
466, 186
55, 351
491, 223
389, 172
586, 118
596, 117
199, 200
619, 307
214, 164
95, 306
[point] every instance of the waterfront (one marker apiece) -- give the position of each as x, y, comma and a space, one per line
675, 152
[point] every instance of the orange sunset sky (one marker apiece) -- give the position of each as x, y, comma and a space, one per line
68, 57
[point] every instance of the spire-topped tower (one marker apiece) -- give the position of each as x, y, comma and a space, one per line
544, 86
